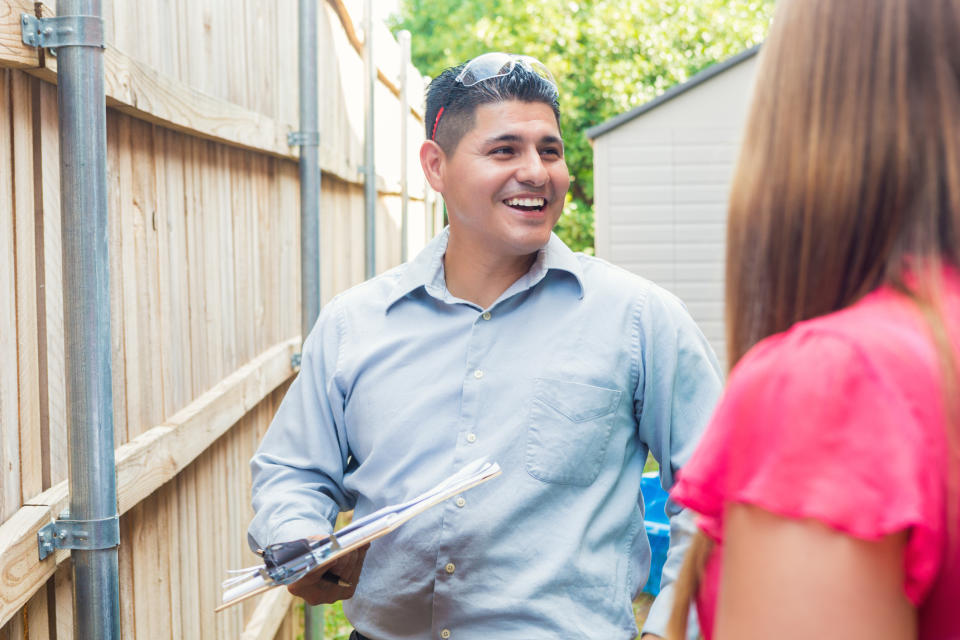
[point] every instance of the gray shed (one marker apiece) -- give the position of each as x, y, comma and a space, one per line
661, 179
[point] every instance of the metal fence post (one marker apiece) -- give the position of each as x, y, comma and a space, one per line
310, 185
369, 166
86, 291
404, 39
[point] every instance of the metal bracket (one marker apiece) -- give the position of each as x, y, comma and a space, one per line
303, 138
78, 534
296, 359
61, 31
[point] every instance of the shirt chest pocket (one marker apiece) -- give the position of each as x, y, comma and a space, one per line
568, 430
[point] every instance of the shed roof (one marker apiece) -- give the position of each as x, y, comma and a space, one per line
673, 92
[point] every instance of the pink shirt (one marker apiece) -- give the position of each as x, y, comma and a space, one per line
841, 419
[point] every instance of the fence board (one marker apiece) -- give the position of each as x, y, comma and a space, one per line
55, 405
118, 272
125, 557
9, 409
24, 212
189, 609
37, 617
169, 305
63, 590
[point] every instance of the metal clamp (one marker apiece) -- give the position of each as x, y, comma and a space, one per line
78, 534
61, 31
303, 138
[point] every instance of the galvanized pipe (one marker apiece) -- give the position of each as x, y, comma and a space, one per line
369, 167
309, 169
404, 39
86, 290
310, 183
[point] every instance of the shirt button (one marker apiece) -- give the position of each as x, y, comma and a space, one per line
478, 374
486, 315
471, 437
461, 501
450, 568
445, 634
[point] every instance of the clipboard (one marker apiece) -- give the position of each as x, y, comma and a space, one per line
287, 562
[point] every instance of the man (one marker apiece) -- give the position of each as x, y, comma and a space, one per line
499, 342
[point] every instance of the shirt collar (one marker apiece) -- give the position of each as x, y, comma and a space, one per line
426, 270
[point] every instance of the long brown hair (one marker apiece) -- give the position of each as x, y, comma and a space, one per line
848, 177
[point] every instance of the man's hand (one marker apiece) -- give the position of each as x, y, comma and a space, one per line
334, 582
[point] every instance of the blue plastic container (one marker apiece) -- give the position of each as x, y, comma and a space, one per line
657, 526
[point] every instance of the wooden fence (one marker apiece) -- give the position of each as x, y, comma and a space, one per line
204, 281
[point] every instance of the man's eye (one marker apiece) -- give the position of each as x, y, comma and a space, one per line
551, 152
502, 151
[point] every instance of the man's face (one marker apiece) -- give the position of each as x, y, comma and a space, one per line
506, 181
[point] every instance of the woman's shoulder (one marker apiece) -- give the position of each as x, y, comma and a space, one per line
883, 335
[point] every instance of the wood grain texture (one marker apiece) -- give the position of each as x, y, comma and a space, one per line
138, 90
269, 614
49, 152
25, 240
13, 53
9, 401
63, 590
143, 465
148, 93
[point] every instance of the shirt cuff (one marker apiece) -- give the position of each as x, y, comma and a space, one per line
289, 530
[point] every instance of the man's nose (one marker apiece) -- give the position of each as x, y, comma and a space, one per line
532, 170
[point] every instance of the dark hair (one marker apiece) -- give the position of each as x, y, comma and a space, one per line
460, 103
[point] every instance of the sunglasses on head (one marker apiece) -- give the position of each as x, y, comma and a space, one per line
491, 65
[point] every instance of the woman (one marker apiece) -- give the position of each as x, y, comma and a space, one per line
827, 481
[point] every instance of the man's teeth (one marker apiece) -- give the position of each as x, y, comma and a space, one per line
526, 202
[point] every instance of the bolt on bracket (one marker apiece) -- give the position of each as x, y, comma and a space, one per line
61, 31
64, 533
303, 138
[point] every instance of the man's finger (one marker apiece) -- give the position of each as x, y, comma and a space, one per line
338, 581
321, 593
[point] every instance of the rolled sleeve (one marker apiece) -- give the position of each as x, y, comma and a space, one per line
298, 468
678, 388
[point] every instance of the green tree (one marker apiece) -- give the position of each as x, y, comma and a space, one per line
608, 56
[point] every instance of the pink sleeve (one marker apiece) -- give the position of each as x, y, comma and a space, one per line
809, 428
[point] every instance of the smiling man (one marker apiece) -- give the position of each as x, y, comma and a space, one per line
499, 342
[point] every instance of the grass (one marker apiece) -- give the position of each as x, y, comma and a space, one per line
335, 624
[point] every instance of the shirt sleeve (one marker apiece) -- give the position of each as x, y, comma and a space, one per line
810, 428
298, 468
679, 384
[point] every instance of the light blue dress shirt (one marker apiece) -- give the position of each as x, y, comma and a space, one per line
566, 381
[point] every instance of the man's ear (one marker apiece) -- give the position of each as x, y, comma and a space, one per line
433, 161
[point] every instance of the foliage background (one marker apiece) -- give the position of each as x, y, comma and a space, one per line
608, 56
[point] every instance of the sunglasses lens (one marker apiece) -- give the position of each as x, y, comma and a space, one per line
485, 67
538, 68
496, 64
